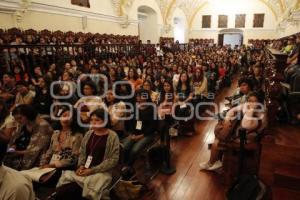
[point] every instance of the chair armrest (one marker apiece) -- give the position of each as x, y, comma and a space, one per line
235, 146
285, 85
294, 94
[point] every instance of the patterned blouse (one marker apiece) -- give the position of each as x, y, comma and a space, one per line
37, 145
67, 150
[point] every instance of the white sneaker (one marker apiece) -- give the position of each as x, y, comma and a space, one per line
205, 166
218, 164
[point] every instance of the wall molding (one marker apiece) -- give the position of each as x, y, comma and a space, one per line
10, 7
243, 29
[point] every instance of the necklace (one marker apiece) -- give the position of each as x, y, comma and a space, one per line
62, 139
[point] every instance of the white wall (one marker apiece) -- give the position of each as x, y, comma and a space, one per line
96, 6
182, 26
62, 15
133, 12
179, 30
42, 20
155, 32
102, 18
205, 34
6, 21
231, 8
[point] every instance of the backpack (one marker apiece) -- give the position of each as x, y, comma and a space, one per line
247, 187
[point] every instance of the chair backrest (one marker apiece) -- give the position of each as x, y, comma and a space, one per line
289, 72
296, 83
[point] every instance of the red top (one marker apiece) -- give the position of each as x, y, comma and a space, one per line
96, 148
222, 72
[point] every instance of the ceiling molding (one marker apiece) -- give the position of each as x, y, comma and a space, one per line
168, 13
281, 5
191, 21
270, 7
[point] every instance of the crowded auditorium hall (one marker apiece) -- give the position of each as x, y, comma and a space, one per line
150, 100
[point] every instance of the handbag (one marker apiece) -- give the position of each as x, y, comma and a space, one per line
128, 190
224, 128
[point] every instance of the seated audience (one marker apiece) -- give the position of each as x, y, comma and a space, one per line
89, 100
147, 85
249, 116
183, 95
245, 87
8, 89
30, 140
165, 105
99, 154
42, 100
24, 94
295, 53
199, 84
133, 78
117, 113
289, 47
142, 129
65, 143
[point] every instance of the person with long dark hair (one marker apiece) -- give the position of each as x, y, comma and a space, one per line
199, 83
165, 106
116, 111
133, 78
184, 91
147, 85
89, 102
65, 142
142, 129
42, 100
184, 95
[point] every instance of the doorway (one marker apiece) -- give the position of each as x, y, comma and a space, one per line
148, 28
230, 37
179, 30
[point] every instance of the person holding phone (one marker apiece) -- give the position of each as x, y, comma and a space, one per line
13, 185
30, 140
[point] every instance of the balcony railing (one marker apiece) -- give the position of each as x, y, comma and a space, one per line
44, 55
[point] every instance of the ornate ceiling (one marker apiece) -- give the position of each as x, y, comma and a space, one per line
281, 9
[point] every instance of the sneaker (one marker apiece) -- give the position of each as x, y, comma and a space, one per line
218, 164
204, 166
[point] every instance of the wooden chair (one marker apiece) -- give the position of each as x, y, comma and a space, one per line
232, 160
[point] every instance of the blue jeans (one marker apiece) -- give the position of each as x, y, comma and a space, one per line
132, 148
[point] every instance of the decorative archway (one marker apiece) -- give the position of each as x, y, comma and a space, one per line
148, 24
179, 25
